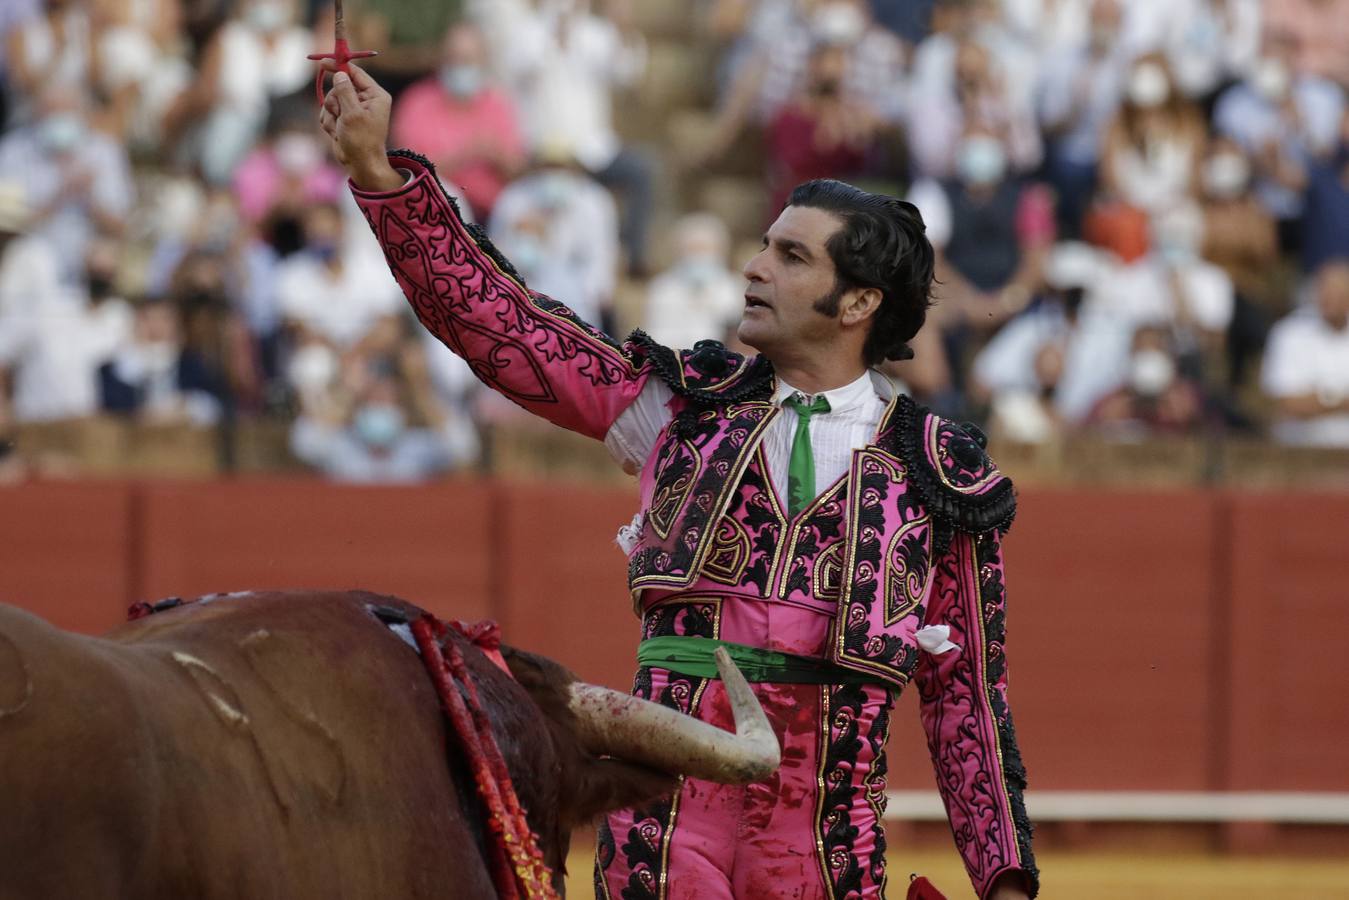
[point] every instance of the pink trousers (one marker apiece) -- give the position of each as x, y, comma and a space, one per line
811, 831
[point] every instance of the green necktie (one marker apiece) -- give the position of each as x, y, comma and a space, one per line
801, 465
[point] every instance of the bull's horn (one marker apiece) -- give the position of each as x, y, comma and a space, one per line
639, 731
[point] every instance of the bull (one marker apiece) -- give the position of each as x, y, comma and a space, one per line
290, 745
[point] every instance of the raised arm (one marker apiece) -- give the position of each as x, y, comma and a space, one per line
528, 347
963, 703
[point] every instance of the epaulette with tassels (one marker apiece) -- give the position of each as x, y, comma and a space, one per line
708, 374
951, 472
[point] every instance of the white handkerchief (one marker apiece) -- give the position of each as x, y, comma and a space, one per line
629, 534
933, 639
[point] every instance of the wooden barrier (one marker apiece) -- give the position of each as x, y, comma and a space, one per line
1159, 641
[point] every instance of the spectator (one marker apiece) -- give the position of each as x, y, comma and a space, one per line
51, 49
1240, 238
52, 350
1209, 42
251, 59
335, 297
77, 180
14, 17
558, 227
29, 270
213, 332
142, 69
288, 171
1156, 399
1153, 146
370, 439
822, 132
1173, 284
1080, 93
1317, 30
155, 378
1325, 220
990, 231
462, 122
564, 64
698, 297
1307, 365
1284, 120
975, 96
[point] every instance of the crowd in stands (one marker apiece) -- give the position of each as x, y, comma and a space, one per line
1140, 207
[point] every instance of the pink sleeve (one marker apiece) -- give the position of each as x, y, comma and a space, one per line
963, 704
527, 347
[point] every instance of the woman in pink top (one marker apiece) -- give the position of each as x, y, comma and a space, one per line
466, 126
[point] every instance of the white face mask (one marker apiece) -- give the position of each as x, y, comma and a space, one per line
1226, 175
297, 153
1271, 79
1151, 372
61, 131
267, 15
981, 160
1149, 86
838, 23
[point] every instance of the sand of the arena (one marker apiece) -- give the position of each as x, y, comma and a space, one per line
1104, 876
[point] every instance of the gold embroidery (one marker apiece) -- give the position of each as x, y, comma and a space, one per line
906, 573
729, 556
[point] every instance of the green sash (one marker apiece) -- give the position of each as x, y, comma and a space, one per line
693, 656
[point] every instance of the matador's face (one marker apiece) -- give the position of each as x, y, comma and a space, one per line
788, 279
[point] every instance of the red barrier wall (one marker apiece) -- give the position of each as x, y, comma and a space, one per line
1177, 640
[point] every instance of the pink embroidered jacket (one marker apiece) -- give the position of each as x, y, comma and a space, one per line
917, 537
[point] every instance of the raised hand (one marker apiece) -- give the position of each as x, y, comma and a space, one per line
355, 116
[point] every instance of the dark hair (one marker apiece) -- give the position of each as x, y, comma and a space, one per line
882, 244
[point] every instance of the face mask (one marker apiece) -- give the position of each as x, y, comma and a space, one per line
1148, 86
158, 356
699, 272
297, 154
1151, 372
100, 285
312, 368
61, 131
1271, 79
325, 251
267, 17
827, 87
555, 189
981, 160
1226, 175
378, 425
838, 23
461, 81
287, 235
527, 254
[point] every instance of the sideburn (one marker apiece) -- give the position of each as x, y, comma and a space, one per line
828, 305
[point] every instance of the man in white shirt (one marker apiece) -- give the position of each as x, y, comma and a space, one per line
698, 296
329, 294
1307, 365
833, 537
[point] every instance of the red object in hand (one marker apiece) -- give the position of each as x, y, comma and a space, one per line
921, 889
342, 52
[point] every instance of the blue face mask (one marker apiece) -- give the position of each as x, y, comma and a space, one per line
981, 160
461, 81
379, 425
325, 251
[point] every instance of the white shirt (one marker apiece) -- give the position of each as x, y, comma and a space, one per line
1306, 356
341, 308
56, 351
855, 412
694, 300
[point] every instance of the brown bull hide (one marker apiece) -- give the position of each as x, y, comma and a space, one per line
268, 746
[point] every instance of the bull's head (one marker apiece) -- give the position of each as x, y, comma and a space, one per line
617, 751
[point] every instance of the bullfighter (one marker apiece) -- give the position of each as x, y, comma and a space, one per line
840, 540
